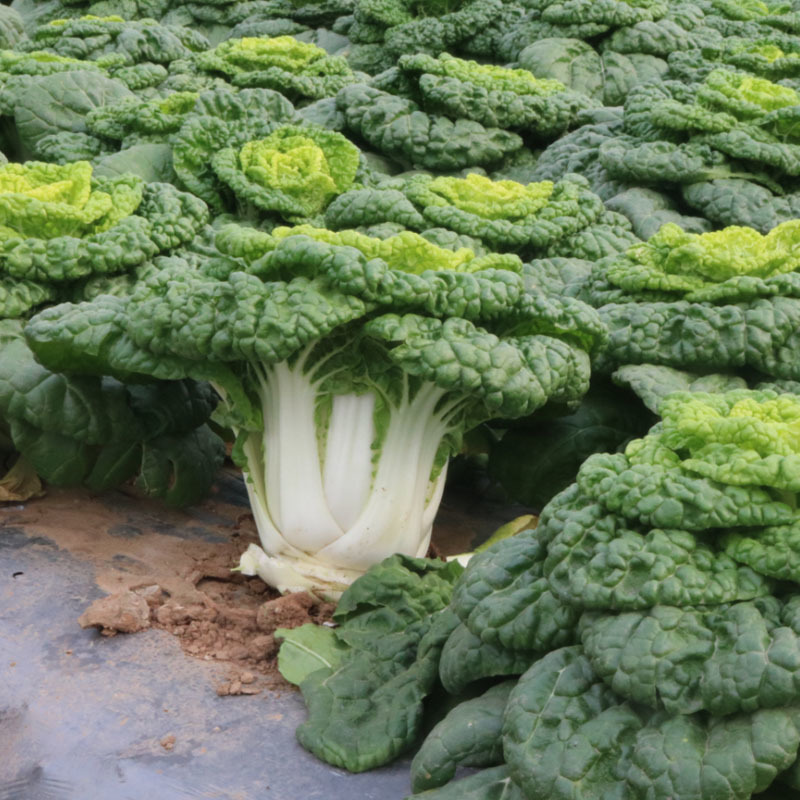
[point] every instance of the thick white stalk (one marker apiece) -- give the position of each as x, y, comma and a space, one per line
294, 491
429, 515
347, 472
392, 519
289, 574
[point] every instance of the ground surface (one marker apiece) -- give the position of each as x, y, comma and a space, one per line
151, 714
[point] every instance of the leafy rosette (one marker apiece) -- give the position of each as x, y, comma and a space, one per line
294, 172
494, 96
397, 128
115, 39
775, 57
724, 300
505, 38
220, 119
61, 224
299, 70
382, 32
100, 433
537, 219
350, 369
606, 76
133, 120
257, 13
641, 616
733, 131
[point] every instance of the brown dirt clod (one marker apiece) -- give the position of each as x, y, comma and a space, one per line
121, 612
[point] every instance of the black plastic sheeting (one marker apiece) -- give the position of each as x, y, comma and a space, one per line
82, 716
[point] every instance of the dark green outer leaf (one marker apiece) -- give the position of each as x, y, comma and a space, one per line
595, 562
367, 711
724, 659
466, 659
488, 784
470, 735
504, 600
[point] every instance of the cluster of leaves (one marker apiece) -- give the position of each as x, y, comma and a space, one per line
297, 326
374, 224
65, 233
723, 300
641, 641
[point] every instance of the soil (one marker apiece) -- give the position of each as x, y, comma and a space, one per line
184, 586
171, 570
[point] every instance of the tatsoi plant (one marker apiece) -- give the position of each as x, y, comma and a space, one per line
383, 31
99, 433
538, 219
641, 635
494, 96
397, 128
732, 132
93, 37
59, 224
223, 118
295, 171
350, 369
724, 300
297, 69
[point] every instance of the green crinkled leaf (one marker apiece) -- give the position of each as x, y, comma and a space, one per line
761, 334
648, 210
655, 495
730, 757
595, 242
401, 589
772, 551
504, 600
534, 367
571, 61
369, 709
568, 736
595, 562
370, 206
564, 734
652, 383
724, 659
18, 297
398, 129
152, 162
622, 72
741, 202
614, 13
468, 736
578, 152
466, 659
633, 161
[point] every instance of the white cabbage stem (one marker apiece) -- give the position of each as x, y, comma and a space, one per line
329, 504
